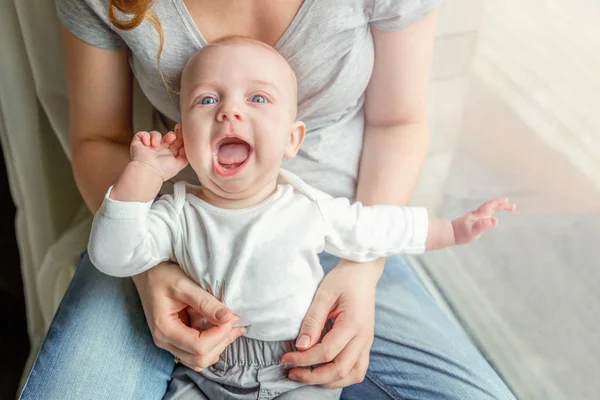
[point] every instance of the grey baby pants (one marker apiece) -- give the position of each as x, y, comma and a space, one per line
249, 369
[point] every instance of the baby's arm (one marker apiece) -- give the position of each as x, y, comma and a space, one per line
131, 233
154, 159
128, 238
364, 233
360, 233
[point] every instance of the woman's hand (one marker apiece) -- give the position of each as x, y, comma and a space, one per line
347, 294
166, 292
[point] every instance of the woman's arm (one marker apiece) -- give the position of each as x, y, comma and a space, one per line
395, 145
100, 105
396, 112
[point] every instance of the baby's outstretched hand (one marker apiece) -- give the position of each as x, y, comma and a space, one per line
165, 155
471, 225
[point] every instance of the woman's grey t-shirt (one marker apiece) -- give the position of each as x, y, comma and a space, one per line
328, 44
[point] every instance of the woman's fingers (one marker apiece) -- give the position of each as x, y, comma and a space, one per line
189, 303
332, 344
213, 354
176, 333
336, 370
191, 340
315, 320
209, 352
357, 374
197, 320
206, 304
212, 337
184, 357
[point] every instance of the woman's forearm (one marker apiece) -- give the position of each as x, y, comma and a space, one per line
97, 163
391, 161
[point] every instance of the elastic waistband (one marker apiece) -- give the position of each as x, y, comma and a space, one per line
248, 351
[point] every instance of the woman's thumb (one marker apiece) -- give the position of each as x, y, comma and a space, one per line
314, 322
205, 303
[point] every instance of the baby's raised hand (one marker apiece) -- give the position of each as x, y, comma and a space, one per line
471, 225
165, 155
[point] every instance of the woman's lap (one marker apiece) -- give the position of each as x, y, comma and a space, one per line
418, 352
100, 347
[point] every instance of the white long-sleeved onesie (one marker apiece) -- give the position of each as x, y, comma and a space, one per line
262, 261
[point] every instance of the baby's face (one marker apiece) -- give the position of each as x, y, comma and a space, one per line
238, 109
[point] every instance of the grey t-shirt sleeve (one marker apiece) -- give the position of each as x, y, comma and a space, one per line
88, 20
392, 15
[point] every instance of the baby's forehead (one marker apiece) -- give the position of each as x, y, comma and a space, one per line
268, 59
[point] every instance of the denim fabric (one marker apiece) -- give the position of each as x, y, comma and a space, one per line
99, 346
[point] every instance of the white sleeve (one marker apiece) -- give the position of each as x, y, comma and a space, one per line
129, 238
365, 233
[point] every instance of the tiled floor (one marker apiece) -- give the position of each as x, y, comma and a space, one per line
14, 344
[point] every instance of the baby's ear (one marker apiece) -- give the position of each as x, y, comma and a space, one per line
296, 139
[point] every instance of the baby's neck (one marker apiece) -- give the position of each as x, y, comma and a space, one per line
221, 202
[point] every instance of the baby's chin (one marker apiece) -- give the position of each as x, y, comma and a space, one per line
241, 193
239, 187
235, 189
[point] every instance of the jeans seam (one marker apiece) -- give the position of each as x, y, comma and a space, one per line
381, 385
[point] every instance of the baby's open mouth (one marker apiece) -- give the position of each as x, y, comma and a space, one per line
231, 154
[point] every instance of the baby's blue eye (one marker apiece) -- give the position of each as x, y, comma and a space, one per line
258, 99
208, 100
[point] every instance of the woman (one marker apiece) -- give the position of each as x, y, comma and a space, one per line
363, 69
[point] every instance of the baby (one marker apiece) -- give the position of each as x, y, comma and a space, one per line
252, 232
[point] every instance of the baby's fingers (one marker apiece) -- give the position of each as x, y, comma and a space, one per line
170, 138
508, 207
178, 133
483, 225
489, 207
155, 139
181, 155
144, 137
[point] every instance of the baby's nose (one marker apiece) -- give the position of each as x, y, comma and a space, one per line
229, 113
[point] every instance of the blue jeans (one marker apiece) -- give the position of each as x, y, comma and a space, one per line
99, 346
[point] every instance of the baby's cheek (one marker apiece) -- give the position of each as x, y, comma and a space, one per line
270, 155
192, 155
